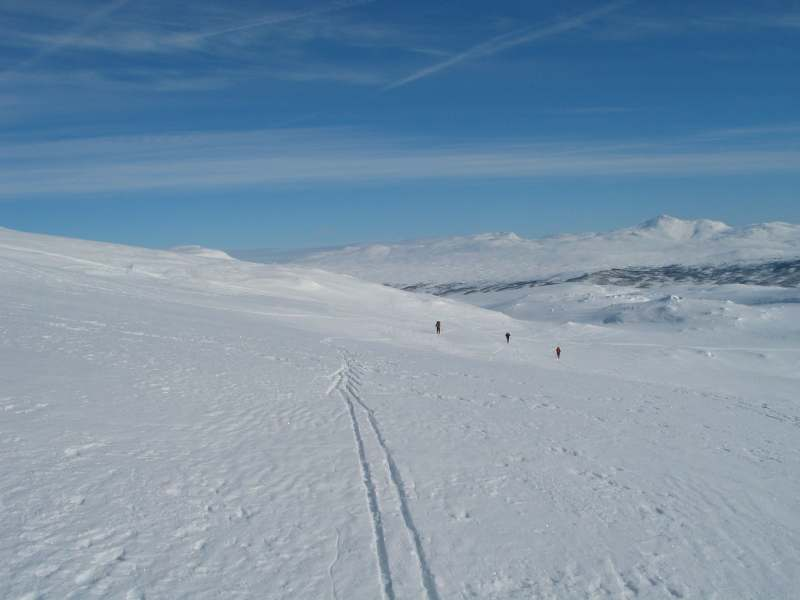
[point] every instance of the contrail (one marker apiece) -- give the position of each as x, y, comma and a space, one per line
285, 18
509, 40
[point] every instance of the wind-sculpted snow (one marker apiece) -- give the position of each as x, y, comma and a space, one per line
179, 425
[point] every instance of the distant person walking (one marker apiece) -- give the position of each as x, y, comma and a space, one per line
558, 352
438, 327
508, 338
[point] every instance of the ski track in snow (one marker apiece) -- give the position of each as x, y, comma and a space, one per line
347, 382
331, 567
382, 558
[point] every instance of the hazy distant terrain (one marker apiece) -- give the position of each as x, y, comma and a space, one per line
506, 258
685, 274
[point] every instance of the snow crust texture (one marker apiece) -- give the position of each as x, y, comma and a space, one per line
179, 425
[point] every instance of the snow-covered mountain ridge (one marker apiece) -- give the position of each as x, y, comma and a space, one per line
726, 276
681, 230
507, 257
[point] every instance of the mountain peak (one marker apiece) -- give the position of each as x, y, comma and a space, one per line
680, 229
497, 236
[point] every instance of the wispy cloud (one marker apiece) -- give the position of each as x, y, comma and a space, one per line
25, 88
70, 84
759, 20
284, 18
120, 42
629, 27
191, 57
148, 38
508, 40
200, 161
589, 110
73, 36
364, 76
771, 131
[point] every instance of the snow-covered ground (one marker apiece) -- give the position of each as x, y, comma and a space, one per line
183, 425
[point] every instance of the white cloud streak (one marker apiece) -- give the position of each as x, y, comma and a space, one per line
73, 36
635, 27
308, 157
770, 131
281, 55
157, 39
283, 18
508, 40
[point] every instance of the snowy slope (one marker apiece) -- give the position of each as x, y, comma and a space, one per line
201, 251
505, 257
175, 425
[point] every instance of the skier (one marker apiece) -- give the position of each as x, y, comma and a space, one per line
438, 327
558, 352
508, 338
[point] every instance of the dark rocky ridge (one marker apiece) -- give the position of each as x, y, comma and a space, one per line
781, 273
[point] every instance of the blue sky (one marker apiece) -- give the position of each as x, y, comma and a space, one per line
285, 124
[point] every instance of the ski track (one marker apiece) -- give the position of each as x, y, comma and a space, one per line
382, 558
347, 381
334, 595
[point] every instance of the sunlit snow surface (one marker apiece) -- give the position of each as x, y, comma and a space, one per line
181, 425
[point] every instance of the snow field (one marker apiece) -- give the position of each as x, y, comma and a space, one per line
195, 427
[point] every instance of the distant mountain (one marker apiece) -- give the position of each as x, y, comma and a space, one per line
490, 259
777, 273
680, 230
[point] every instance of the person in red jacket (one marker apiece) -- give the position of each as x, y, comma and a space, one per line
558, 352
